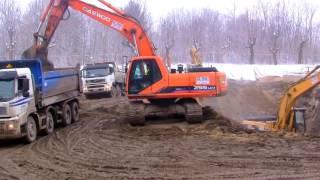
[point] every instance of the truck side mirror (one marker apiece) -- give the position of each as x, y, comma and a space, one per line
25, 88
126, 68
111, 70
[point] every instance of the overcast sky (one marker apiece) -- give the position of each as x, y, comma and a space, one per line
160, 8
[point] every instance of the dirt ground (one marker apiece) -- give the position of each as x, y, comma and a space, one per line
103, 146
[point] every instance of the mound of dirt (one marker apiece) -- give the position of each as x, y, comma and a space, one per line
244, 99
247, 99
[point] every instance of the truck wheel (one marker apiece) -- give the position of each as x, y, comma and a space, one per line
50, 123
75, 111
113, 92
66, 115
32, 130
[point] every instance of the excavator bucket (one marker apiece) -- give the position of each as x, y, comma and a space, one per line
269, 123
39, 53
260, 123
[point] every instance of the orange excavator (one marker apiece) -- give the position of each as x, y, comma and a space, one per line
150, 87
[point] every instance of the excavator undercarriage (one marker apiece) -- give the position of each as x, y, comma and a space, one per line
140, 111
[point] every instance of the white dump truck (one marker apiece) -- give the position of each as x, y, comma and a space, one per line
33, 101
102, 79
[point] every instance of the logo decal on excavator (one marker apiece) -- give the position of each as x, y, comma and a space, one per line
203, 81
117, 25
97, 14
202, 88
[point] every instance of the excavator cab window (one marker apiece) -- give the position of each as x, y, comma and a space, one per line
144, 73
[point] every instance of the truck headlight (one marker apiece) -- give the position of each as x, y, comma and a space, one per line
107, 87
11, 126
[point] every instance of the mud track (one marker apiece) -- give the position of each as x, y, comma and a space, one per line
103, 146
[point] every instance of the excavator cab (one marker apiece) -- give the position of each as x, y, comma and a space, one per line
142, 75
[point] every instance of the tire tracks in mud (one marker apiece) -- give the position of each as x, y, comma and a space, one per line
103, 146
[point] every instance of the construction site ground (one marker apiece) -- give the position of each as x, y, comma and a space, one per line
103, 146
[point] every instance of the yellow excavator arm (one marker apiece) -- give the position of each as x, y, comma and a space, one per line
285, 117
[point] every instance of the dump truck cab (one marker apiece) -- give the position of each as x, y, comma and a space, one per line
16, 101
32, 100
102, 78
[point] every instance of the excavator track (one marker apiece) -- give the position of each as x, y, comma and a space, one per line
136, 113
194, 113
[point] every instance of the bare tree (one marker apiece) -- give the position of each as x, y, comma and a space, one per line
252, 34
10, 18
305, 28
138, 10
271, 32
276, 25
167, 31
275, 49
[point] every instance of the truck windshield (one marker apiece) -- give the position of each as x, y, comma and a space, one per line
6, 90
92, 73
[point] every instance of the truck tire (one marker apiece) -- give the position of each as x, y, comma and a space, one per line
113, 92
66, 115
75, 111
49, 123
32, 130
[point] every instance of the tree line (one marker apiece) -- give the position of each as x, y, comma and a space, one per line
268, 33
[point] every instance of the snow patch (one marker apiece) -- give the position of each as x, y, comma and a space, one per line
254, 72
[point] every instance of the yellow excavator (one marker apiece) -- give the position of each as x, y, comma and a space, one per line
289, 118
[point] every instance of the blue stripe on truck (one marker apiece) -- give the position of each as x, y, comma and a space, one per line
20, 102
56, 77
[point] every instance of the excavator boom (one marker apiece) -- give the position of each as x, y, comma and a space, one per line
117, 20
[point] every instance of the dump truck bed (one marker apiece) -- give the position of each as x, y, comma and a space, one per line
52, 86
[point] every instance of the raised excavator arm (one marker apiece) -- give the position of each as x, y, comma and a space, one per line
285, 117
115, 19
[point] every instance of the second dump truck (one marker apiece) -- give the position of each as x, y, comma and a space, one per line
102, 79
34, 101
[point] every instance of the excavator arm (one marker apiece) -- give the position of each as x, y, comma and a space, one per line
113, 18
285, 118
